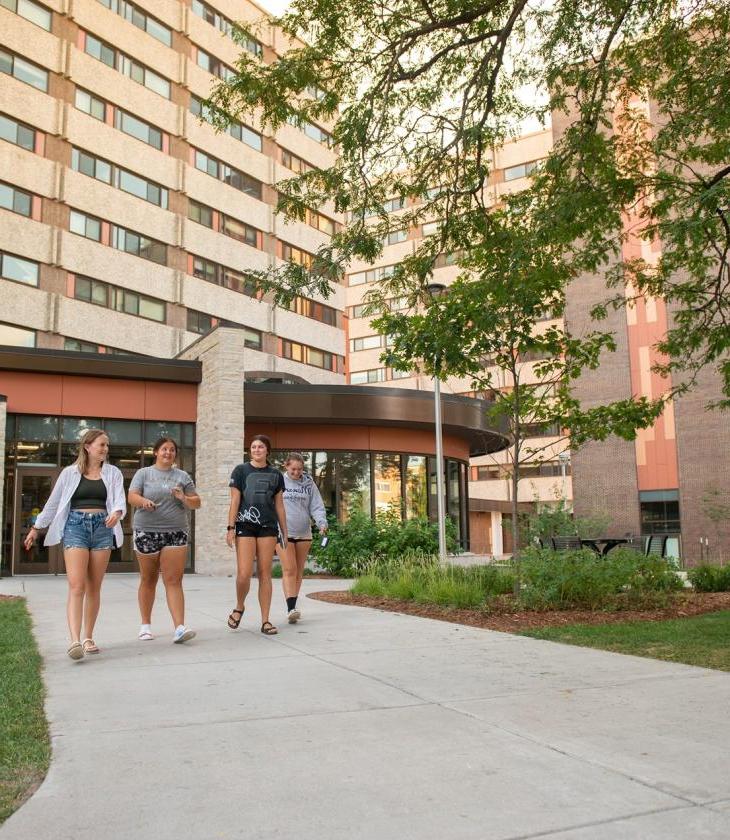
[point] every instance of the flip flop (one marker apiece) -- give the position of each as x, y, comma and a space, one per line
76, 651
89, 646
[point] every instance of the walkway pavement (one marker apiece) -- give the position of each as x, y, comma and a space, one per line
363, 725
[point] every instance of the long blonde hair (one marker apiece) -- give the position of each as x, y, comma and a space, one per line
90, 435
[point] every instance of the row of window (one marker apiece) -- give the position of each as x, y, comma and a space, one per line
522, 170
228, 174
221, 275
23, 70
202, 323
319, 221
367, 342
28, 9
220, 222
141, 19
372, 275
116, 297
494, 472
236, 129
316, 311
310, 355
19, 269
295, 163
115, 176
126, 65
314, 132
395, 304
214, 18
135, 127
361, 377
89, 347
17, 133
291, 253
121, 238
12, 336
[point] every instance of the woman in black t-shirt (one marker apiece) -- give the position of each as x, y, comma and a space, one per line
257, 521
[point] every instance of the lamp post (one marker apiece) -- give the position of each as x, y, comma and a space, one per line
436, 290
564, 458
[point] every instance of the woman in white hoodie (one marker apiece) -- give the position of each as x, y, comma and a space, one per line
84, 510
302, 502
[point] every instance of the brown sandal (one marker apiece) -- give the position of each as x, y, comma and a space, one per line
232, 623
268, 629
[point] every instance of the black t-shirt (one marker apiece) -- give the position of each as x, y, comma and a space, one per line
257, 486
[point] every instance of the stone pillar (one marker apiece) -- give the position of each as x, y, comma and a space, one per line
219, 442
4, 561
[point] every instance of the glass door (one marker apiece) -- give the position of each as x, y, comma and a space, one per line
32, 488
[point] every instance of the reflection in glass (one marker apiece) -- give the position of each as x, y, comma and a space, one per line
416, 490
125, 457
37, 453
354, 469
325, 476
153, 431
72, 428
278, 457
123, 431
31, 427
452, 494
387, 480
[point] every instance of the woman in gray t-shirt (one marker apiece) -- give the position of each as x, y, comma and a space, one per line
163, 496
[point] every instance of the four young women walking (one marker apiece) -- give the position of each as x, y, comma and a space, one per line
302, 502
84, 511
163, 496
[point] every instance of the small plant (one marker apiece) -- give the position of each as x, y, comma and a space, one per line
710, 578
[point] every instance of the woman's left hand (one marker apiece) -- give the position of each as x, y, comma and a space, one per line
113, 518
178, 493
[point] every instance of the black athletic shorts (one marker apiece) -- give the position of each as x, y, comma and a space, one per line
249, 529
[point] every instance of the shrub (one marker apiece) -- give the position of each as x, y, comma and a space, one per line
583, 579
710, 578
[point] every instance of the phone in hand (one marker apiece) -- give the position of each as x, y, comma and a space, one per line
323, 542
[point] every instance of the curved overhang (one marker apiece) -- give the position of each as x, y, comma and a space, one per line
352, 405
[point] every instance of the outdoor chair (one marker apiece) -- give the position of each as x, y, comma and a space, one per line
566, 543
656, 545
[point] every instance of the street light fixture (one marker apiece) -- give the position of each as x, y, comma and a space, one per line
564, 458
435, 290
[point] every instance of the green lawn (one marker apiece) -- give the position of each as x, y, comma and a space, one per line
703, 640
24, 744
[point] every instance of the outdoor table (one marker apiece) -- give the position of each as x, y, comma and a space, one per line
606, 543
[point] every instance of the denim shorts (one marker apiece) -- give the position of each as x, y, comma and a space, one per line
87, 530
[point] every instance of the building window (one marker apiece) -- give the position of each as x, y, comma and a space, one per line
400, 374
291, 253
316, 311
431, 228
24, 70
540, 430
114, 297
18, 269
295, 163
394, 237
90, 104
228, 174
80, 346
522, 170
140, 246
307, 355
138, 128
31, 11
367, 342
84, 225
13, 336
199, 322
214, 65
371, 276
360, 377
127, 66
209, 14
236, 129
16, 200
659, 511
320, 222
17, 133
139, 18
117, 177
314, 132
200, 213
223, 276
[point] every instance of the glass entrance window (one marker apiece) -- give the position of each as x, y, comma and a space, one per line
387, 483
32, 492
416, 487
354, 470
325, 474
659, 511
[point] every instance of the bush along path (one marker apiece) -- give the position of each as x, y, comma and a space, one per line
24, 743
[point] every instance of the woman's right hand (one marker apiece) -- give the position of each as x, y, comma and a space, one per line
30, 539
230, 537
148, 504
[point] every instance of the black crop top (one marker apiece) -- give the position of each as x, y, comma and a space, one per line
90, 494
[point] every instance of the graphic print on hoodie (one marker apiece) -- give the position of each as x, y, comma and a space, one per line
303, 502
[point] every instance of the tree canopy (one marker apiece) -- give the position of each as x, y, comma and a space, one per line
421, 92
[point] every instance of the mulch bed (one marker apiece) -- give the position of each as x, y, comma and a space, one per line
504, 617
9, 597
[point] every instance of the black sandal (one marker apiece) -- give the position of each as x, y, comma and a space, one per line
232, 623
268, 629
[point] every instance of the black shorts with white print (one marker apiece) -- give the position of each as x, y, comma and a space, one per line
152, 542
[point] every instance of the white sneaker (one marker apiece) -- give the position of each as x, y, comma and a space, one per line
183, 634
293, 616
145, 633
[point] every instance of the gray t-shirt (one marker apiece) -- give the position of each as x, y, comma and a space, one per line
156, 485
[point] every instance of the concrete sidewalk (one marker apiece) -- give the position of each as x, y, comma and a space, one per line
363, 725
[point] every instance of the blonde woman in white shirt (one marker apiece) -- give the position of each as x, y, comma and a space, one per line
84, 511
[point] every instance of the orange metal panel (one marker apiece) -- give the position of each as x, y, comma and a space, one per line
171, 401
40, 393
96, 396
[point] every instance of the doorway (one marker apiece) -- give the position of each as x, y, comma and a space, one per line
32, 488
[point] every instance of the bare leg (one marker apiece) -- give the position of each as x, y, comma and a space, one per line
302, 552
149, 572
77, 562
245, 553
289, 569
95, 572
264, 556
172, 566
